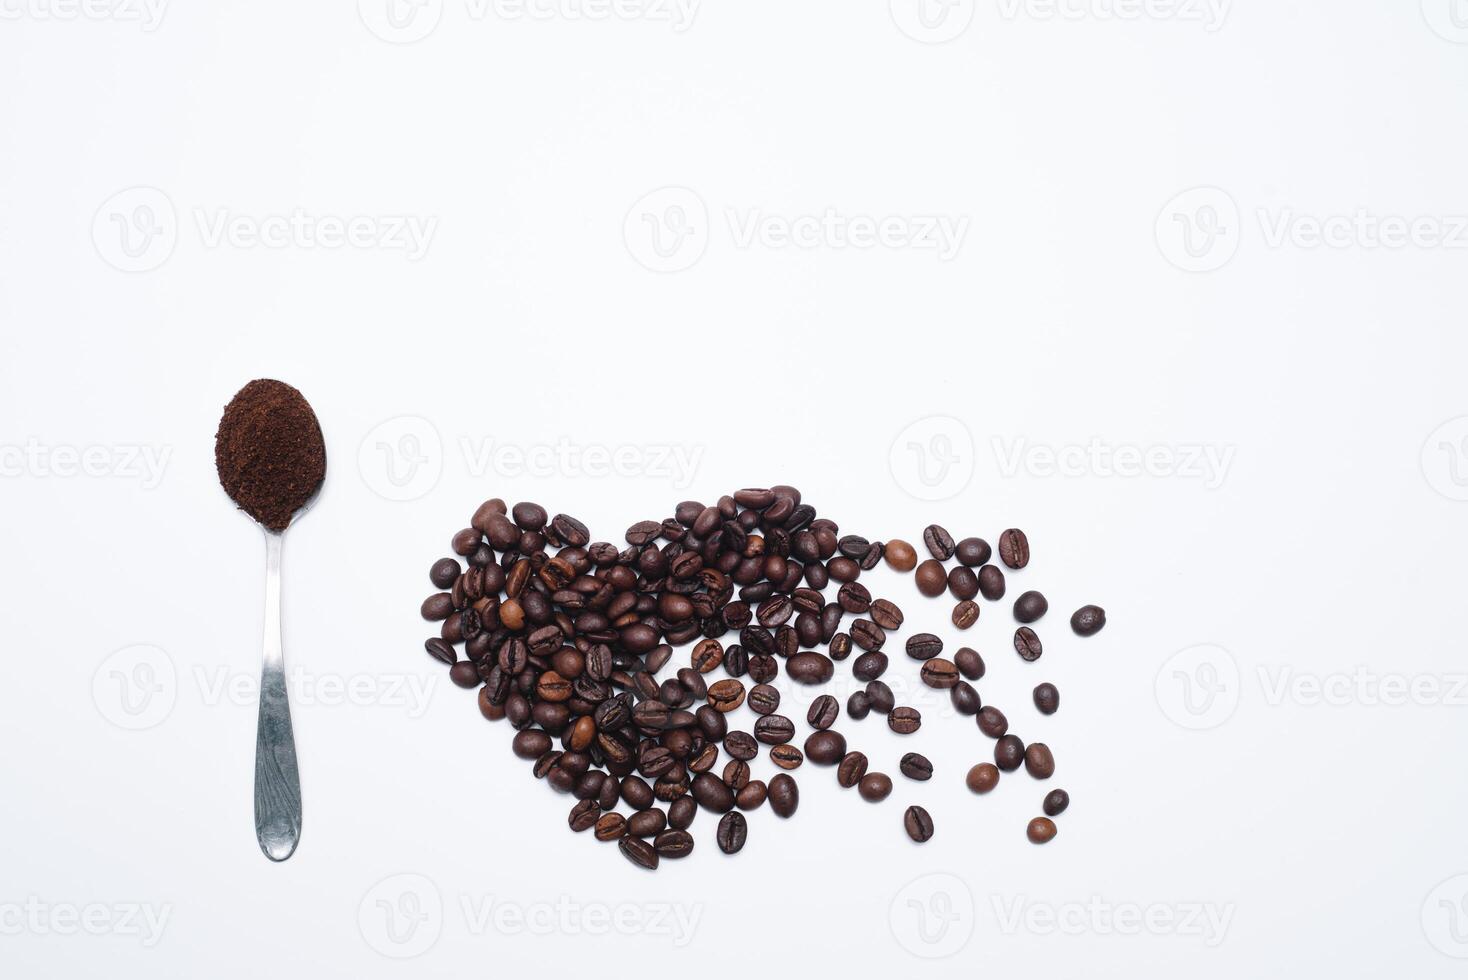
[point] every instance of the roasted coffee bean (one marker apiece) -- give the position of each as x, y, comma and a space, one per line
1047, 698
1027, 644
530, 744
763, 668
1009, 753
673, 844
963, 582
992, 721
859, 705
939, 673
853, 546
991, 583
969, 663
823, 712
965, 699
973, 552
725, 695
444, 572
1041, 830
825, 748
639, 852
1056, 802
732, 833
775, 611
441, 650
1088, 620
774, 729
918, 824
875, 787
712, 793
854, 598
736, 661
1039, 762
852, 768
610, 826
464, 674
784, 795
681, 812
1030, 606
886, 614
636, 792
916, 766
438, 606
923, 646
741, 745
867, 635
786, 756
646, 823
869, 666
880, 697
584, 816
736, 774
809, 668
904, 720
764, 699
752, 795
931, 578
707, 655
840, 646
1014, 548
938, 542
900, 555
965, 614
983, 777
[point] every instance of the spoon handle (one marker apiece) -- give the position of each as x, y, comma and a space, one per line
277, 781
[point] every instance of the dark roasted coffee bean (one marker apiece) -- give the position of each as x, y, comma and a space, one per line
1056, 802
784, 795
1039, 761
639, 852
732, 833
707, 655
854, 598
900, 555
859, 705
440, 650
764, 699
904, 720
923, 646
973, 552
1047, 698
610, 826
736, 774
869, 666
875, 787
1014, 548
673, 844
444, 572
823, 712
1030, 606
965, 698
886, 614
992, 721
853, 546
918, 824
741, 745
969, 663
991, 583
636, 792
584, 815
852, 768
437, 607
786, 756
530, 744
939, 673
840, 646
809, 668
1088, 620
965, 614
1009, 753
752, 795
712, 793
916, 766
1041, 830
725, 695
646, 823
464, 674
825, 748
736, 661
763, 668
983, 777
880, 696
1027, 644
938, 541
931, 578
681, 812
774, 729
963, 582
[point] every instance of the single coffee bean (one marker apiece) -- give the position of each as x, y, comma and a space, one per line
681, 812
712, 793
825, 748
904, 720
444, 572
784, 795
931, 578
869, 666
724, 695
707, 654
923, 646
786, 756
732, 833
918, 824
464, 674
1009, 753
1039, 762
610, 826
1030, 606
983, 777
886, 614
875, 787
764, 699
441, 650
852, 768
774, 729
867, 635
965, 699
639, 852
763, 668
900, 555
1041, 830
969, 663
1055, 802
973, 552
438, 606
939, 542
991, 583
752, 795
741, 745
916, 766
584, 816
637, 794
992, 721
858, 706
530, 744
809, 668
965, 614
880, 697
939, 673
736, 774
1027, 644
673, 844
1014, 548
646, 823
823, 712
963, 582
1047, 698
854, 598
1088, 620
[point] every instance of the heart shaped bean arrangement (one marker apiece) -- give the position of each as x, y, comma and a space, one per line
566, 638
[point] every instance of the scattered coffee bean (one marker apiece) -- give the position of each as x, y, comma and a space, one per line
823, 712
939, 673
639, 852
1030, 606
1047, 698
732, 833
963, 582
875, 787
786, 756
880, 697
1039, 762
1009, 753
938, 542
983, 777
918, 824
965, 614
752, 795
1027, 644
965, 699
991, 583
904, 720
901, 555
858, 706
1088, 620
969, 663
1055, 802
681, 812
809, 668
610, 826
764, 699
923, 646
973, 552
673, 844
867, 667
1041, 830
1014, 548
825, 748
886, 614
784, 795
915, 766
852, 768
931, 578
774, 729
724, 695
444, 572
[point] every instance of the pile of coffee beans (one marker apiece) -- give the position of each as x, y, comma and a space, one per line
569, 639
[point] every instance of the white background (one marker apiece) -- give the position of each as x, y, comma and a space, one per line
1096, 301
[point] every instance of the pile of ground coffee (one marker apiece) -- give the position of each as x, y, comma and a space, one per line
269, 452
